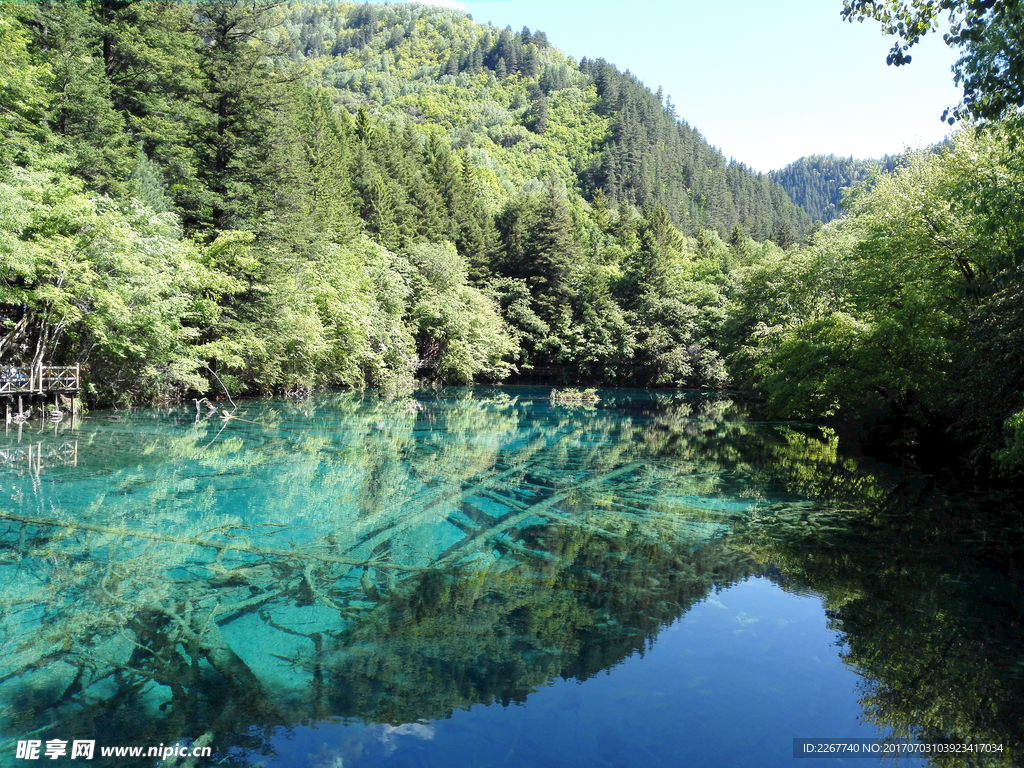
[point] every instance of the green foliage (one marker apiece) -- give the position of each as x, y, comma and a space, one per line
876, 315
114, 288
588, 396
987, 33
25, 97
460, 335
1011, 458
906, 310
527, 329
532, 111
240, 70
81, 110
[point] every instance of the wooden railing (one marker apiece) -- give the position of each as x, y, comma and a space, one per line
40, 379
58, 377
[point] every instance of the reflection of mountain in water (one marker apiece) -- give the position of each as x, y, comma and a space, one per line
376, 560
408, 562
382, 561
456, 639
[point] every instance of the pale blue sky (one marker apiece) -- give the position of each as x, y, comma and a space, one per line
765, 81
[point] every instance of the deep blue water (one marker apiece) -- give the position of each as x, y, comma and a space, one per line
730, 684
491, 578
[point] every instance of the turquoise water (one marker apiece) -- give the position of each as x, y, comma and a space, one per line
486, 577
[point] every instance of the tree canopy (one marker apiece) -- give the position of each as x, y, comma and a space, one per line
987, 33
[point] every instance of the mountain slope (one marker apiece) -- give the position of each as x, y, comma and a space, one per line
817, 183
523, 109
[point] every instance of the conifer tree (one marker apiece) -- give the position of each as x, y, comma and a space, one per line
382, 215
539, 122
239, 92
599, 210
784, 237
364, 129
475, 226
554, 251
328, 155
82, 110
24, 97
736, 238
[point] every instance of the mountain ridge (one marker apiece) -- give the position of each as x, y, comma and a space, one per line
613, 132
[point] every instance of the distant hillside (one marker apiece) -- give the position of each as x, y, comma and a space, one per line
817, 183
523, 109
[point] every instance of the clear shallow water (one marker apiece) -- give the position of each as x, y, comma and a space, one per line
447, 580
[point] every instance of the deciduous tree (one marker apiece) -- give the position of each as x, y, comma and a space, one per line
986, 32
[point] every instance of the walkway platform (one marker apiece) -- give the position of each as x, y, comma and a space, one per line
38, 384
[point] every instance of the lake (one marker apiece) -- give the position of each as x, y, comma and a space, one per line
485, 577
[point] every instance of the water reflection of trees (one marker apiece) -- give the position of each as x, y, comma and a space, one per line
926, 593
381, 560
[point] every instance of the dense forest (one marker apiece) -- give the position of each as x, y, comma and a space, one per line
288, 196
817, 183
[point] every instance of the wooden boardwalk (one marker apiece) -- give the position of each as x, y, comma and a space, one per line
40, 380
38, 384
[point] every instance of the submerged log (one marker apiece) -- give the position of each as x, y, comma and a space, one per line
290, 554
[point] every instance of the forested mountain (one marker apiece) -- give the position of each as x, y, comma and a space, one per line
817, 183
523, 106
282, 196
350, 194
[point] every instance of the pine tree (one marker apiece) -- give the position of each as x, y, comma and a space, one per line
599, 210
784, 237
659, 243
69, 41
451, 66
364, 128
539, 123
736, 238
24, 98
553, 250
325, 139
239, 93
529, 63
382, 215
148, 185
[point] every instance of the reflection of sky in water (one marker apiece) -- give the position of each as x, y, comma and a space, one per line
732, 683
390, 734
